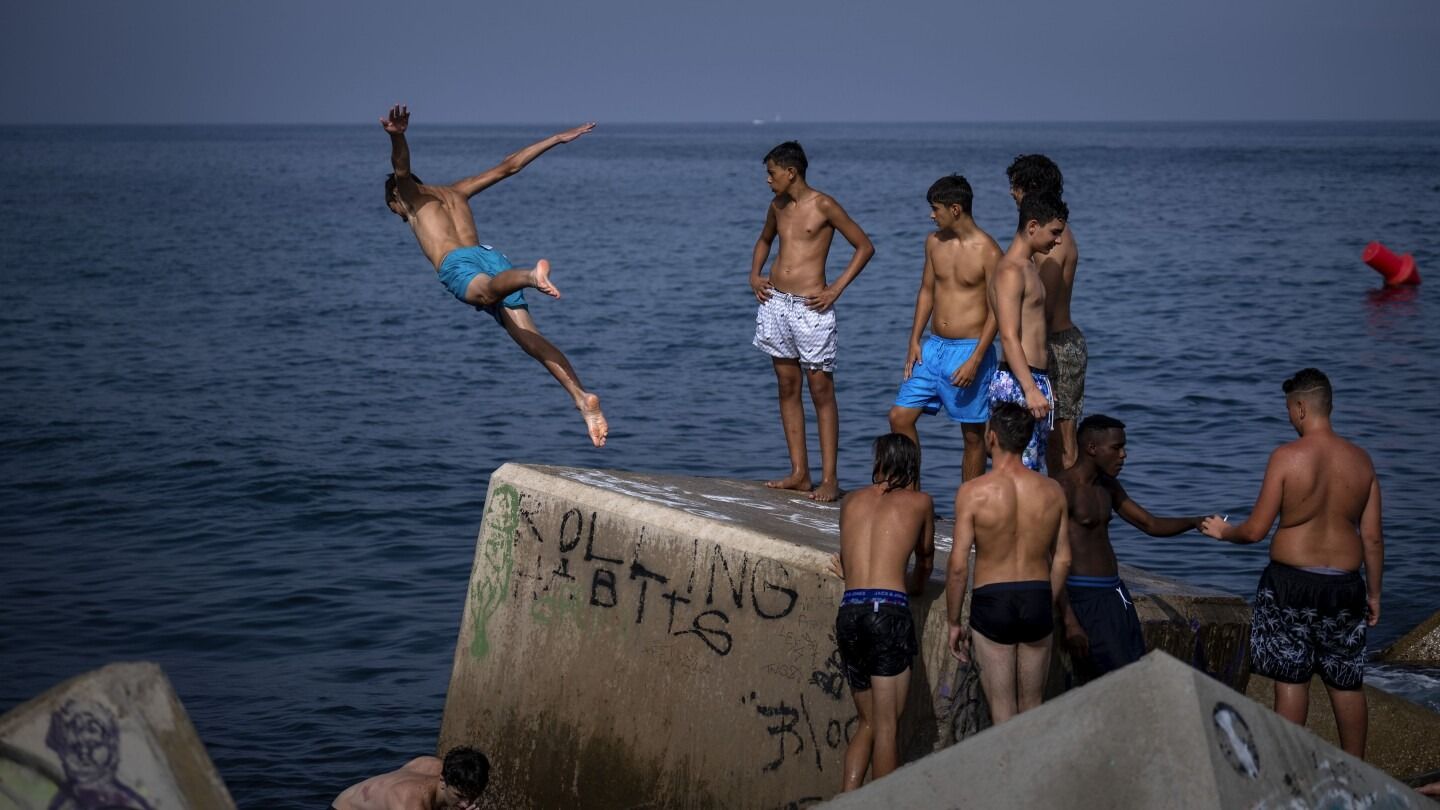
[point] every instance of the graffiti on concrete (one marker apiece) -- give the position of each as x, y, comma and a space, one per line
1236, 742
86, 738
580, 572
794, 725
495, 564
1335, 784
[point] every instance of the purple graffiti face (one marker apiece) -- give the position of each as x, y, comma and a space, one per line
86, 737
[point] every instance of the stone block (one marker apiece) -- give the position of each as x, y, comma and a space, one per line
1157, 733
1419, 646
117, 737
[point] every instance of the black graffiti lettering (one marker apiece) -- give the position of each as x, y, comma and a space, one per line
834, 734
562, 571
789, 718
640, 572
694, 564
737, 592
590, 546
790, 596
673, 597
719, 634
604, 578
831, 679
530, 521
568, 544
814, 743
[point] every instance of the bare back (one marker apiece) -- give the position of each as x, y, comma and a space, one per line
1016, 517
1326, 484
412, 787
879, 531
1014, 274
805, 232
962, 264
1057, 273
441, 218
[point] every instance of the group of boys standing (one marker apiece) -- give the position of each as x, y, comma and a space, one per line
1041, 544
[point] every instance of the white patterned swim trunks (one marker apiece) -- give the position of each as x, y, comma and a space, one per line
786, 328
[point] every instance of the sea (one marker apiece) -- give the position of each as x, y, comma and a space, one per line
246, 434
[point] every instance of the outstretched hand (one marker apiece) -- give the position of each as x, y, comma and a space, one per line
571, 134
397, 121
1214, 526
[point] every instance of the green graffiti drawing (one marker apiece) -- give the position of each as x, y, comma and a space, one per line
496, 563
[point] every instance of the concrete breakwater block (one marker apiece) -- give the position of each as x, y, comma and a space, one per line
1419, 646
1157, 733
644, 640
117, 737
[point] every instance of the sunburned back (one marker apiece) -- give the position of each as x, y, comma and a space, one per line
878, 532
1016, 518
442, 222
1327, 483
410, 788
960, 264
805, 234
1057, 273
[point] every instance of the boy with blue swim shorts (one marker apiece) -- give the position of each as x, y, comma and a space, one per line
1018, 297
477, 274
953, 367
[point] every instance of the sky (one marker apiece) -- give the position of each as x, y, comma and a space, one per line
620, 61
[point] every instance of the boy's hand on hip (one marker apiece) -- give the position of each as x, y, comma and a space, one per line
912, 359
824, 300
761, 286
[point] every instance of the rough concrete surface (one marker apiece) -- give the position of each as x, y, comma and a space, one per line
1419, 646
1404, 737
634, 640
114, 737
1157, 733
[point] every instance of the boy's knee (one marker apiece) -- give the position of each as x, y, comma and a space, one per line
822, 385
902, 418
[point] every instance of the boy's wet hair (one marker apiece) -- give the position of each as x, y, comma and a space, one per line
1313, 385
1097, 423
1035, 174
789, 155
951, 190
1012, 424
1043, 208
390, 186
897, 461
467, 770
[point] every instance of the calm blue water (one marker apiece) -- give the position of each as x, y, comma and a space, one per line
246, 434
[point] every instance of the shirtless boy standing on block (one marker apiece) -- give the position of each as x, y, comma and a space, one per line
880, 527
953, 368
1102, 629
1017, 296
795, 324
477, 274
1312, 607
1064, 342
1015, 520
424, 783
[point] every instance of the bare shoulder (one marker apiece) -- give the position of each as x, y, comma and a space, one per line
430, 766
827, 204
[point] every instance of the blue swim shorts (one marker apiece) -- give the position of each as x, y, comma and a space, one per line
461, 265
1005, 388
929, 386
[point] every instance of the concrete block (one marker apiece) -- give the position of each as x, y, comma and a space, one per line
1419, 646
1157, 733
645, 640
1404, 738
117, 737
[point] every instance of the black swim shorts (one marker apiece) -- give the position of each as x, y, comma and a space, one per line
1106, 612
1306, 622
1013, 612
875, 638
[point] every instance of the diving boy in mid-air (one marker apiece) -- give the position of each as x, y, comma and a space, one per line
795, 323
478, 274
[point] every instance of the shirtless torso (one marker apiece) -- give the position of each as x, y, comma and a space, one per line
416, 786
879, 531
1057, 273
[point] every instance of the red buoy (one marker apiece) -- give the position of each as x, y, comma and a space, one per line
1396, 270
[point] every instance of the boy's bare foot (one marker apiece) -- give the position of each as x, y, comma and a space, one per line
589, 406
542, 279
796, 481
827, 491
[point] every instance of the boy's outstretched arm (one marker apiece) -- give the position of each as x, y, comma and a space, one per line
1137, 516
759, 283
1262, 516
395, 123
516, 161
842, 222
